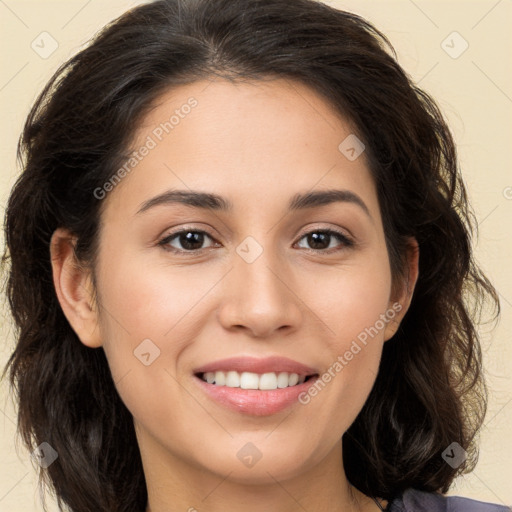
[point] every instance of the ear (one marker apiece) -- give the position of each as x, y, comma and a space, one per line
401, 300
74, 288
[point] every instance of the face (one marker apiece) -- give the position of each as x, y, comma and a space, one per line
256, 272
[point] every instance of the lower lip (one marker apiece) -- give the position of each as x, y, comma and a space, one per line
254, 401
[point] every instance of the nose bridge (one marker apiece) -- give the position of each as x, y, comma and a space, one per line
260, 297
261, 279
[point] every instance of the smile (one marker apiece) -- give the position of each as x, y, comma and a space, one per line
250, 380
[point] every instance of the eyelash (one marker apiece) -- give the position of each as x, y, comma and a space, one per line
344, 239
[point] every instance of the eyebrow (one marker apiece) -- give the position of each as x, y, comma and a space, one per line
215, 202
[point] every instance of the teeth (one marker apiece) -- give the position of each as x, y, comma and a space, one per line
249, 380
219, 378
232, 380
271, 381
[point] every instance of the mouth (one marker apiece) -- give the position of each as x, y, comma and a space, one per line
254, 394
268, 381
255, 386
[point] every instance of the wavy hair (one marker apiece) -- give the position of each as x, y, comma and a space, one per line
429, 391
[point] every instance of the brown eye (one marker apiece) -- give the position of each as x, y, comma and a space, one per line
320, 240
189, 240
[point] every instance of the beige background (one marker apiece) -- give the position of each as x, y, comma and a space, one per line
475, 92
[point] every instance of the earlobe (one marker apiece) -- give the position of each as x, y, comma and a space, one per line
401, 303
74, 288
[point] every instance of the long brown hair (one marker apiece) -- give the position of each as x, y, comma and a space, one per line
429, 391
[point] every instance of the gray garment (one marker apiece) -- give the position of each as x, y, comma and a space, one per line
413, 500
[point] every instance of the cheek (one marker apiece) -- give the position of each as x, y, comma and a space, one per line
149, 315
351, 299
145, 326
150, 302
353, 305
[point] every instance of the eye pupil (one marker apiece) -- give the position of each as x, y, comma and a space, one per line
190, 238
313, 240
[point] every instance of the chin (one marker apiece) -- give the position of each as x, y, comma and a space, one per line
246, 464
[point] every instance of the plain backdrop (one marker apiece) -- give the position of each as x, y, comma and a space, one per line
459, 51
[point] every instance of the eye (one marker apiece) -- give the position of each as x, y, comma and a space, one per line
189, 239
321, 239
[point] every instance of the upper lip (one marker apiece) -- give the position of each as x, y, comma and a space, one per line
257, 365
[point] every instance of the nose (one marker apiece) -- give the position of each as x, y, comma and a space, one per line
259, 298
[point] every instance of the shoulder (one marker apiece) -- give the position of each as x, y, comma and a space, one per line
413, 500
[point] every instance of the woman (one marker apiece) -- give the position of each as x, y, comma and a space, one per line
241, 269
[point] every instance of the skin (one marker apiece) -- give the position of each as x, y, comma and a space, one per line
256, 144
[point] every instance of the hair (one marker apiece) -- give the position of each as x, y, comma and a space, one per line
430, 390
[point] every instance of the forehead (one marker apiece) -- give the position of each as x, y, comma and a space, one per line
257, 138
